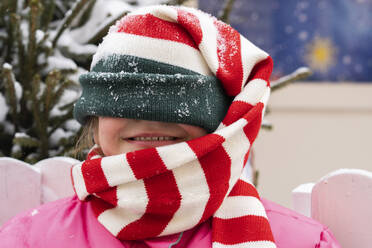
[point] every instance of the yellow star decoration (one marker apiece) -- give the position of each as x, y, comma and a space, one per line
320, 54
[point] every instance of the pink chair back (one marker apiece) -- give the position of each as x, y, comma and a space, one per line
343, 201
23, 186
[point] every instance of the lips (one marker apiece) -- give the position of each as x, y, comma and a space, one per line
155, 138
142, 141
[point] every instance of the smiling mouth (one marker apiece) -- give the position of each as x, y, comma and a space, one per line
160, 138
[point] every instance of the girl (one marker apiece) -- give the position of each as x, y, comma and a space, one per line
174, 100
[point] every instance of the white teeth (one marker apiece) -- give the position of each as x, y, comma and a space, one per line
162, 138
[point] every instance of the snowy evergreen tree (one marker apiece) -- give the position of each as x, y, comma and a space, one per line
44, 46
35, 96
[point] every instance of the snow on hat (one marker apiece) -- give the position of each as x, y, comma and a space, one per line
170, 64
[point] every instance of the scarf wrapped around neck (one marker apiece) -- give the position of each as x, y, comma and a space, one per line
170, 189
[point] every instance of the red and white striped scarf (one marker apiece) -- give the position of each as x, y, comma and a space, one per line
169, 189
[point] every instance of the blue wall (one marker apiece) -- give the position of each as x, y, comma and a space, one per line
333, 37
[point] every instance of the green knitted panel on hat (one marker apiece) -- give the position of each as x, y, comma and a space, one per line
190, 98
127, 63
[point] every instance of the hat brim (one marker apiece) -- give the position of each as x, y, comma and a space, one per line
190, 99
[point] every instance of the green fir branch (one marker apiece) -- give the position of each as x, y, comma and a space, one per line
103, 28
36, 103
256, 176
58, 121
8, 7
17, 155
45, 50
32, 158
67, 84
15, 21
39, 119
32, 45
10, 93
86, 13
176, 2
67, 106
48, 95
267, 126
27, 142
11, 6
47, 13
68, 147
69, 17
300, 73
225, 12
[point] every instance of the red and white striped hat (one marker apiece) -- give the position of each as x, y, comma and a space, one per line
185, 52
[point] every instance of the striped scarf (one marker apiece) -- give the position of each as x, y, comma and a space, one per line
169, 189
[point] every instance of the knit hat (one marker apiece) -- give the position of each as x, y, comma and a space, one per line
168, 189
152, 69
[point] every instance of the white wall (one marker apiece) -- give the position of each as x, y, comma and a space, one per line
318, 127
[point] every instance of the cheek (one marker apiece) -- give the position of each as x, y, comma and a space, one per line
107, 129
194, 131
109, 135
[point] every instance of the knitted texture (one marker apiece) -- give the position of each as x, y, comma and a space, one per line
169, 189
149, 90
150, 68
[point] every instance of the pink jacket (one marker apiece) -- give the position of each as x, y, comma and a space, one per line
71, 223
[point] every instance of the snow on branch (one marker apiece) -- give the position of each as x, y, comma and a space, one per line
104, 27
300, 73
69, 17
176, 2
